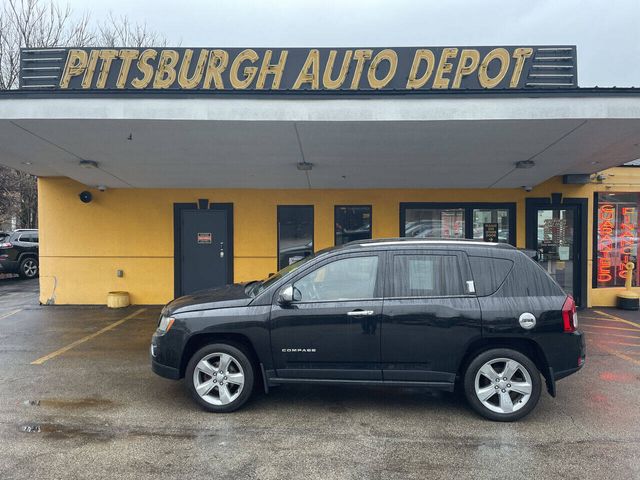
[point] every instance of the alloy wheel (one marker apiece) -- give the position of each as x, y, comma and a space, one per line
503, 385
218, 378
30, 268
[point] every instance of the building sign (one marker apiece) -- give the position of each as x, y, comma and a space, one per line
300, 69
490, 232
617, 233
204, 238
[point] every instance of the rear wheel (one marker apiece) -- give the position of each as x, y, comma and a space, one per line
502, 385
220, 377
29, 268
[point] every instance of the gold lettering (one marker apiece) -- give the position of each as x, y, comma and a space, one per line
384, 55
75, 65
127, 56
521, 55
483, 76
312, 62
166, 71
107, 56
91, 68
421, 55
275, 69
184, 80
466, 68
360, 56
248, 72
145, 68
327, 82
218, 61
444, 67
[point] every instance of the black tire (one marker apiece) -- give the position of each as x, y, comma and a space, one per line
470, 385
29, 268
240, 357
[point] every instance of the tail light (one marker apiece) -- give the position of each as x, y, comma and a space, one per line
6, 245
569, 315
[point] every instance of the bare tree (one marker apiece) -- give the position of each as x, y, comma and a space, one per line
41, 24
121, 32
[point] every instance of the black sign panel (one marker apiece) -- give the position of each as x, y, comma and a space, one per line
300, 69
490, 232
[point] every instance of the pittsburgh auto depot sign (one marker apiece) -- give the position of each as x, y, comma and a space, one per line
300, 69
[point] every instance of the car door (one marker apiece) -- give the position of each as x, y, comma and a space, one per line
430, 315
332, 328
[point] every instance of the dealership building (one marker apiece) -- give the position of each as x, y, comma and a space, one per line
162, 171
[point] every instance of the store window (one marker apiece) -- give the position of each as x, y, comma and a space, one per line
491, 224
617, 217
352, 223
295, 233
434, 223
486, 221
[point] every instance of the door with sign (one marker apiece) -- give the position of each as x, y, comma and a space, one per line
203, 250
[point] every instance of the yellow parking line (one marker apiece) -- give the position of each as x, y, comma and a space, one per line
612, 328
621, 355
41, 360
605, 334
618, 318
622, 343
8, 314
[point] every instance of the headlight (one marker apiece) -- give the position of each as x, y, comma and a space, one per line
165, 324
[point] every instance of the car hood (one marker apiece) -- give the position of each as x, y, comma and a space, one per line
212, 298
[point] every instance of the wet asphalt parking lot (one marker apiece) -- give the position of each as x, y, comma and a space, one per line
90, 407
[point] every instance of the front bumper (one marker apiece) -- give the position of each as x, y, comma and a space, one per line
164, 355
164, 370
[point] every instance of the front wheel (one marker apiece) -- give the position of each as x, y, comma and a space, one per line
502, 385
220, 377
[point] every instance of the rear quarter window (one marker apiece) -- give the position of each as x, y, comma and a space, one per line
489, 273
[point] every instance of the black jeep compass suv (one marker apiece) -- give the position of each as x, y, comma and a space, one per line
401, 312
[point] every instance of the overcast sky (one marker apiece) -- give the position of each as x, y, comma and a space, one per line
606, 32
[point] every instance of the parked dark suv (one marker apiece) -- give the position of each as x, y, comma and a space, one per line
19, 253
402, 312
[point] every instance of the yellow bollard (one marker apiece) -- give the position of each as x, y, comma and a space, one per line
628, 299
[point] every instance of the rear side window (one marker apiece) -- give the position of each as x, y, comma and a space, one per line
489, 273
28, 237
423, 275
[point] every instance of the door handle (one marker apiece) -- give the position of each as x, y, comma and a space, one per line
360, 313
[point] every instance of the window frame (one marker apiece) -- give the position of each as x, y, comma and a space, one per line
313, 229
335, 210
378, 289
463, 265
468, 208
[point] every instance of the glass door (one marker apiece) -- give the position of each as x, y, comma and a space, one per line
555, 242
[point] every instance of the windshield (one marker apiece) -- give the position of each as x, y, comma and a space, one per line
255, 288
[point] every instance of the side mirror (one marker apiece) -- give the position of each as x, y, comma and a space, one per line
288, 295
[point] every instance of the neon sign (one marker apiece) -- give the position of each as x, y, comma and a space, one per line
617, 243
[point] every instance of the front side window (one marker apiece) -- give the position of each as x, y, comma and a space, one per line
424, 275
618, 216
352, 223
295, 233
345, 279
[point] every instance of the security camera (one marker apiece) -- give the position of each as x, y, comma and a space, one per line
527, 188
85, 197
102, 188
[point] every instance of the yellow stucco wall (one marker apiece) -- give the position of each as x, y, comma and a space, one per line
82, 245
